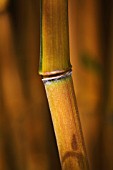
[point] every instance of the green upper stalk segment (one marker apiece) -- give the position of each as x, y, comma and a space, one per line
54, 57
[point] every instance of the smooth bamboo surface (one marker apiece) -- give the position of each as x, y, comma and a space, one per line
54, 37
66, 122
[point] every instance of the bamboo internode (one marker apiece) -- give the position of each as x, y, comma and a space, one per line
66, 122
54, 37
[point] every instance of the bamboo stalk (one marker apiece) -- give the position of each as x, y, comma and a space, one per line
55, 69
87, 72
3, 5
107, 157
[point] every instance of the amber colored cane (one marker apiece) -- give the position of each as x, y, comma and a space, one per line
55, 68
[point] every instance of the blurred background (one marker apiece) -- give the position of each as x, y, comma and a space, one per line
27, 140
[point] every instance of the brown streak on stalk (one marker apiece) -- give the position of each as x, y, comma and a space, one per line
74, 143
78, 157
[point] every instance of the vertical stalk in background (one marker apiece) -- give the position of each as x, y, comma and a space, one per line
10, 87
55, 68
31, 109
87, 71
3, 5
107, 46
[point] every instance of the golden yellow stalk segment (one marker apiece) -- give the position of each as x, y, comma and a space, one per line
3, 5
62, 102
54, 57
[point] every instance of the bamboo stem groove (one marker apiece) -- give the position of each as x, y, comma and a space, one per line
55, 68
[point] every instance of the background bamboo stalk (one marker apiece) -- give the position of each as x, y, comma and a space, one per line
107, 45
3, 5
43, 130
8, 86
87, 62
25, 129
